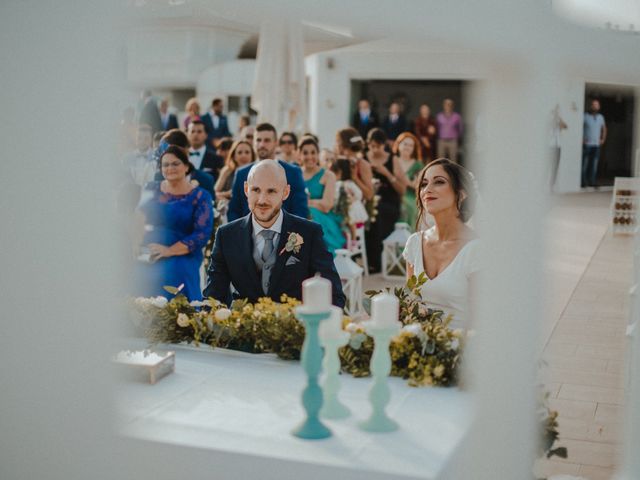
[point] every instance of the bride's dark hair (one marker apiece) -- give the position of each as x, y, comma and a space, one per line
461, 181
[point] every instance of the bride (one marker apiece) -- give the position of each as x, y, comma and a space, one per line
448, 252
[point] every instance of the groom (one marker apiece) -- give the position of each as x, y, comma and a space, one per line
268, 252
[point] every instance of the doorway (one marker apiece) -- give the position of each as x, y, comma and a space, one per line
410, 94
617, 105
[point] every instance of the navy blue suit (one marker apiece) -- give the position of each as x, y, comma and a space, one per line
214, 133
394, 129
232, 263
212, 164
172, 122
296, 204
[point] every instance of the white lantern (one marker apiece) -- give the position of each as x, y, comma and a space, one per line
351, 276
394, 266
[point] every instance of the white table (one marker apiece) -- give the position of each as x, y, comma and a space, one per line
242, 407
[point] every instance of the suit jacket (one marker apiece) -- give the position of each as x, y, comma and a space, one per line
363, 128
212, 164
394, 129
172, 122
150, 115
213, 133
232, 263
296, 204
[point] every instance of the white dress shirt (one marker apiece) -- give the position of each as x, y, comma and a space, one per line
258, 240
197, 159
141, 166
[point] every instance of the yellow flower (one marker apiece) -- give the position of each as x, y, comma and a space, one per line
438, 371
182, 320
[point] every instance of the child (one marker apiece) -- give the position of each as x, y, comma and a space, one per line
357, 214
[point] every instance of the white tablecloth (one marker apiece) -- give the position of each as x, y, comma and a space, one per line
243, 404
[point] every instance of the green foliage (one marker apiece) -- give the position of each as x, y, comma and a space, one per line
426, 352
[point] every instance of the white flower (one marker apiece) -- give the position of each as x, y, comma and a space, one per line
414, 329
182, 320
159, 302
351, 327
455, 344
223, 314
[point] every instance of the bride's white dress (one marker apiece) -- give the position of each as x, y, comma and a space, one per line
449, 290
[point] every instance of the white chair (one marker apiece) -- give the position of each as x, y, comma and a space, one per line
357, 247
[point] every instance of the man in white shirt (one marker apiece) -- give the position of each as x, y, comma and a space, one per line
199, 156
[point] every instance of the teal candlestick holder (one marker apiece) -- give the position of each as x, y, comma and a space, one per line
380, 393
311, 358
333, 408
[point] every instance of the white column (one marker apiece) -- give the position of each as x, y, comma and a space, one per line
501, 360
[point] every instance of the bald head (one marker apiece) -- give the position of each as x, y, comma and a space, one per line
266, 189
269, 170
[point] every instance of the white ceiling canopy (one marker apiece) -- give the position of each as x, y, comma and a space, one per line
623, 15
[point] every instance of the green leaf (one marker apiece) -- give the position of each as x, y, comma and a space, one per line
558, 452
171, 290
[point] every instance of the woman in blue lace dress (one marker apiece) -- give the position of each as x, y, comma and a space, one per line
178, 218
321, 185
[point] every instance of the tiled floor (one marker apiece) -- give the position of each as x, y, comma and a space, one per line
583, 338
585, 358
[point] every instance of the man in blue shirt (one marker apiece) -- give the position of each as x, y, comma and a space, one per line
595, 134
265, 142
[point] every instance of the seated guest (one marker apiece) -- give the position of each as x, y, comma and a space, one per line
449, 252
178, 219
321, 185
241, 154
180, 139
269, 252
199, 156
288, 142
222, 149
265, 146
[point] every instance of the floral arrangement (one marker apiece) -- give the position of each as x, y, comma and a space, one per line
426, 352
371, 206
341, 207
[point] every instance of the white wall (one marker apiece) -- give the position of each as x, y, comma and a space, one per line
224, 79
175, 56
330, 89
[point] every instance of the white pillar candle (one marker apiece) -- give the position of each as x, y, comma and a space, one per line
385, 308
331, 328
316, 294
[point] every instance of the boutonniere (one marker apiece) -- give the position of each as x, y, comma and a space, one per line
294, 242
